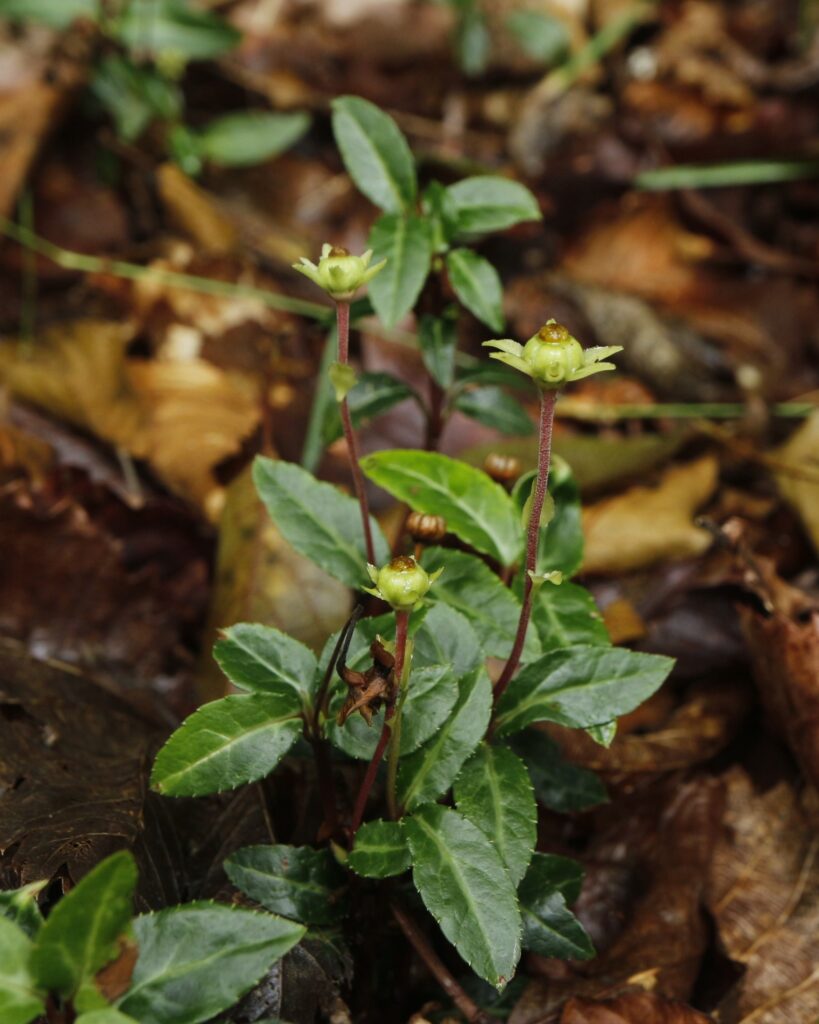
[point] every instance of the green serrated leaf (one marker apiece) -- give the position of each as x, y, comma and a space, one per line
445, 637
567, 615
375, 153
380, 850
494, 791
494, 408
603, 734
105, 1016
265, 660
430, 698
428, 772
469, 586
226, 744
466, 888
487, 203
476, 283
373, 394
248, 137
579, 687
549, 927
80, 934
559, 784
199, 959
404, 242
318, 520
21, 907
173, 29
476, 509
20, 1002
294, 881
437, 340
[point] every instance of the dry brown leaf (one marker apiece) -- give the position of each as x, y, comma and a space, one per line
260, 578
800, 482
195, 211
763, 892
645, 525
632, 1008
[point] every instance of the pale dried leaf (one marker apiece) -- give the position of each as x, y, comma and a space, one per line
799, 479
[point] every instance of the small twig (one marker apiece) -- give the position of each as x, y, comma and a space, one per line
416, 938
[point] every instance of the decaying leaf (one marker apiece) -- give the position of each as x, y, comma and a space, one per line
647, 524
799, 478
632, 1008
193, 210
763, 891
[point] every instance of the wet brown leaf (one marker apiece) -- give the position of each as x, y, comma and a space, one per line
645, 525
763, 891
633, 1008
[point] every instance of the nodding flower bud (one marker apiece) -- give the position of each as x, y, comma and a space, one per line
552, 357
426, 529
338, 272
402, 582
503, 469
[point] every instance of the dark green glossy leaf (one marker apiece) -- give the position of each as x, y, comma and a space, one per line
476, 509
559, 784
488, 203
428, 772
430, 697
265, 660
494, 792
438, 339
566, 615
445, 637
248, 137
294, 881
21, 907
469, 585
20, 1002
466, 888
580, 686
375, 153
197, 960
174, 29
81, 932
372, 394
404, 242
380, 850
318, 520
494, 408
549, 927
477, 285
226, 744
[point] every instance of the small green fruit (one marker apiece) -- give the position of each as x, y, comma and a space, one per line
402, 583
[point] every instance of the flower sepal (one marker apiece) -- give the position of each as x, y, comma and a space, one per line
402, 583
338, 272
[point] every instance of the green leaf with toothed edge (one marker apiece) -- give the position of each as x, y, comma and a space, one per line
295, 881
464, 885
405, 243
226, 744
197, 960
566, 615
580, 687
81, 932
380, 850
375, 153
494, 791
318, 520
549, 927
559, 784
429, 771
20, 1002
476, 509
265, 660
476, 283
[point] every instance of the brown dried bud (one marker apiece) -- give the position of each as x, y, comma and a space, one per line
426, 529
504, 469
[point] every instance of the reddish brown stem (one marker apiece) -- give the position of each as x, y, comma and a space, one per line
473, 1013
401, 630
547, 419
343, 323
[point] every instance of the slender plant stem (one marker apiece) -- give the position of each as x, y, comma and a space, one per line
471, 1011
343, 324
395, 733
547, 418
401, 631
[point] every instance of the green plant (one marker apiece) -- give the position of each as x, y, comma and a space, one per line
452, 766
192, 961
